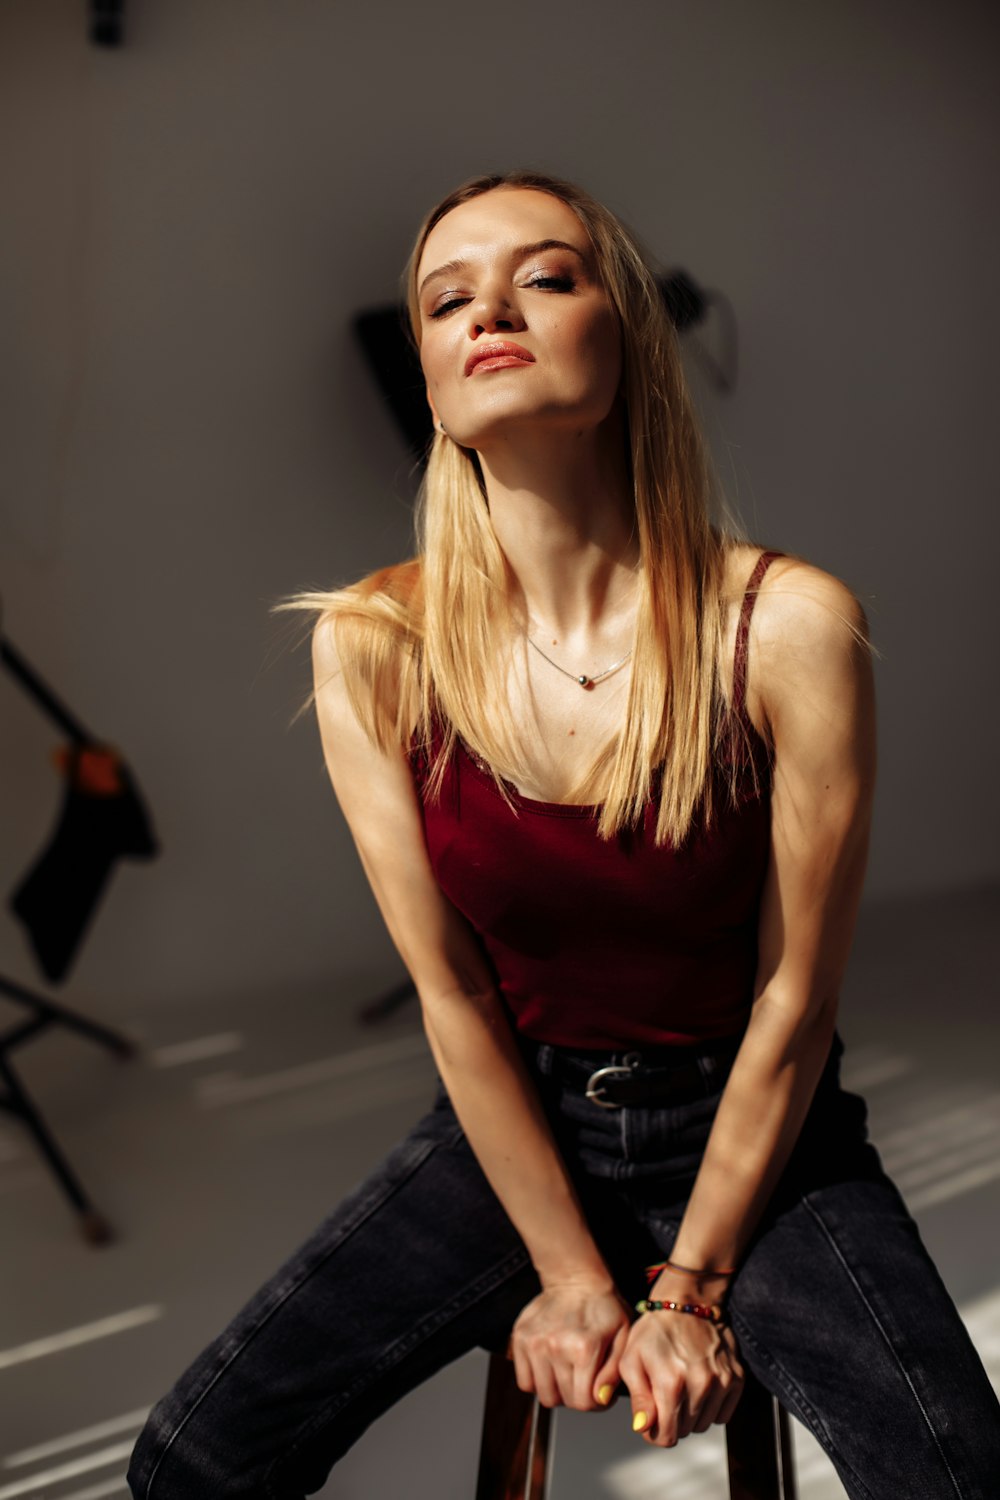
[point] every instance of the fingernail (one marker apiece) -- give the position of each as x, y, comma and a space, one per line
639, 1421
605, 1393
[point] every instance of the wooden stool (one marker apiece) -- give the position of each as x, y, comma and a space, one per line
513, 1459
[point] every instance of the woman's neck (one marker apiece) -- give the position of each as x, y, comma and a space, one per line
563, 512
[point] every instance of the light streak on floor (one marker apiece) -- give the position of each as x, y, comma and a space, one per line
195, 1050
98, 1491
947, 1152
55, 1343
940, 1126
965, 1182
869, 1068
229, 1089
355, 1097
965, 1153
131, 1421
118, 1454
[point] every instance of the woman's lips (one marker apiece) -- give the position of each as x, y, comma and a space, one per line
497, 356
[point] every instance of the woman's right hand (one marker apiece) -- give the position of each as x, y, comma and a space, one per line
567, 1344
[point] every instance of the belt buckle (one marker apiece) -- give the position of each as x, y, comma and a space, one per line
595, 1088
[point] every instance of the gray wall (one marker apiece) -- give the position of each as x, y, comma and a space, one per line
189, 431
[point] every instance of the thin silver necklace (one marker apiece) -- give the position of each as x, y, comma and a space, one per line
584, 681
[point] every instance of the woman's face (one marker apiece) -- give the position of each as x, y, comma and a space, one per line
514, 267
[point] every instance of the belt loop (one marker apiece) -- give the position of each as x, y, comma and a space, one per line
543, 1059
713, 1064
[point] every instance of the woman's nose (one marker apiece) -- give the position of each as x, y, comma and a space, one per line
492, 311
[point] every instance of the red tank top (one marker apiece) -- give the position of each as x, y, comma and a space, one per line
598, 943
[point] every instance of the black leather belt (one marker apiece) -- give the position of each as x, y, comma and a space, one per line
639, 1077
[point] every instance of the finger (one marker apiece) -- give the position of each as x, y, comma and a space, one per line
607, 1381
708, 1411
669, 1409
643, 1408
606, 1392
731, 1401
644, 1405
583, 1363
583, 1386
573, 1384
547, 1388
705, 1398
573, 1361
682, 1421
652, 1415
541, 1379
522, 1368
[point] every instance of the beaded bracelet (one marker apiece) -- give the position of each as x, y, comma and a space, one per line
671, 1265
697, 1309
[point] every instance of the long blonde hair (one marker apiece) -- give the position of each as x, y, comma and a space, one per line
418, 641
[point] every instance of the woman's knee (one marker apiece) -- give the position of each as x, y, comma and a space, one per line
197, 1453
165, 1464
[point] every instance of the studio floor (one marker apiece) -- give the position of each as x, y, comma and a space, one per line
238, 1126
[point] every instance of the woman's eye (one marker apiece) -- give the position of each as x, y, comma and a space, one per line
559, 283
549, 283
445, 307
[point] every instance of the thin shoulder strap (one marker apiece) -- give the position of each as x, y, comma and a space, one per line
764, 561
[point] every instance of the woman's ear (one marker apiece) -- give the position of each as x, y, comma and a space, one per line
438, 424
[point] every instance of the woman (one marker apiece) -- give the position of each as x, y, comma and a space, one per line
618, 837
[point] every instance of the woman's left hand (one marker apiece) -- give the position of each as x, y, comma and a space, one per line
683, 1373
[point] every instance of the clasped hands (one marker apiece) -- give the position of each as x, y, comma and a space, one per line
574, 1346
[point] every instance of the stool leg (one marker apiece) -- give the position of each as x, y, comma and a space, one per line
759, 1446
93, 1226
786, 1455
513, 1458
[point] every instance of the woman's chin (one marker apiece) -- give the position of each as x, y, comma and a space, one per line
502, 429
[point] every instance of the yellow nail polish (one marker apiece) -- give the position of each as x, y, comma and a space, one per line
605, 1393
639, 1421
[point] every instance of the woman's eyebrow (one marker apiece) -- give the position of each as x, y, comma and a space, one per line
450, 267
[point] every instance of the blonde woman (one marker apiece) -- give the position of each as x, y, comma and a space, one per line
610, 773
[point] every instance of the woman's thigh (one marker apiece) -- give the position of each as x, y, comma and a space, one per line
417, 1266
841, 1313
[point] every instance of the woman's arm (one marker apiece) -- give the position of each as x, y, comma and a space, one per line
568, 1339
813, 680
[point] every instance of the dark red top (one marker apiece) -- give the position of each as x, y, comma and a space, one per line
600, 943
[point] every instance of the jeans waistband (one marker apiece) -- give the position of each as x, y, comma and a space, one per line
638, 1075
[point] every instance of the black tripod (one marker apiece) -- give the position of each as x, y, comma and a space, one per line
44, 1013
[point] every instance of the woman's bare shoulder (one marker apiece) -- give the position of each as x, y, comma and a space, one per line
365, 655
808, 642
794, 594
391, 597
799, 603
804, 619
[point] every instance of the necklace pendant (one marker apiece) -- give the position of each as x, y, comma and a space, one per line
587, 683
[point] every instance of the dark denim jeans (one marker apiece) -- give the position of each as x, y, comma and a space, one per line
837, 1308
